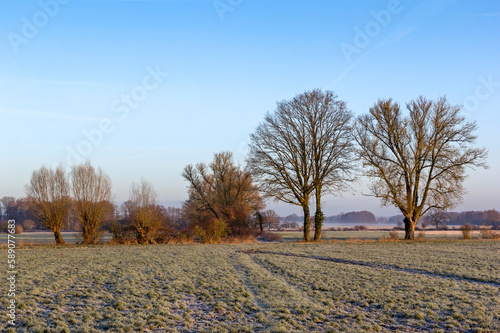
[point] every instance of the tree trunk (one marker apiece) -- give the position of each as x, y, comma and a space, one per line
318, 224
409, 229
261, 222
142, 235
307, 222
58, 237
318, 216
86, 235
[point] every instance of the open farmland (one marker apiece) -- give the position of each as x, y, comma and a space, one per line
70, 237
437, 286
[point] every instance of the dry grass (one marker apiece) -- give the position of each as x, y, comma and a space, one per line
215, 288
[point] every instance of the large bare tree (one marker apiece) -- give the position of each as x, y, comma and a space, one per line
144, 212
48, 198
417, 162
303, 149
92, 193
224, 191
328, 123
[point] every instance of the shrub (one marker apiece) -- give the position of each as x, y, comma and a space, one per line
211, 233
488, 233
19, 229
466, 230
123, 234
390, 236
271, 237
421, 234
393, 235
359, 227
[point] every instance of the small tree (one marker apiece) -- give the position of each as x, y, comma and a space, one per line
92, 193
143, 211
417, 162
48, 198
221, 192
438, 218
271, 219
4, 204
466, 230
29, 224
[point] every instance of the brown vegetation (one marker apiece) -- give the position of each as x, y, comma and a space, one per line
466, 230
222, 199
92, 194
143, 212
48, 198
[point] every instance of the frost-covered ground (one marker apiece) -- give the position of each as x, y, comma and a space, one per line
377, 286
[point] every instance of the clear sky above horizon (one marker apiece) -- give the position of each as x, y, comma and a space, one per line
143, 88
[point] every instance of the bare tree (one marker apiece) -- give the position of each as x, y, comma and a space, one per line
143, 211
223, 191
304, 148
4, 204
92, 193
328, 122
418, 162
48, 198
271, 219
438, 218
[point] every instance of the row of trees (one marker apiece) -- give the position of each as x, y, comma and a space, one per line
48, 196
223, 201
52, 194
309, 146
354, 217
442, 219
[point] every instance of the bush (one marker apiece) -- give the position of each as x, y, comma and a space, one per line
466, 230
19, 229
488, 233
212, 233
359, 227
421, 234
271, 237
123, 234
390, 236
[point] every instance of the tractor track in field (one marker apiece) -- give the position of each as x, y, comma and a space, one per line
377, 266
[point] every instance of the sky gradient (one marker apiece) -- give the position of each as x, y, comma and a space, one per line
143, 88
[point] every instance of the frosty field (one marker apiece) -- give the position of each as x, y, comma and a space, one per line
436, 286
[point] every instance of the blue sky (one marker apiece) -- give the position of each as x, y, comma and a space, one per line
157, 85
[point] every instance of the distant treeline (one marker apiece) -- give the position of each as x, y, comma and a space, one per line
486, 217
11, 208
348, 218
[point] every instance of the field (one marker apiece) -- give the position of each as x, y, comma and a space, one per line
436, 286
293, 236
46, 237
373, 233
